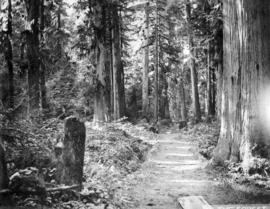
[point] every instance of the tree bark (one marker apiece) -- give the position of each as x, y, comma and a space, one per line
8, 53
103, 83
43, 91
59, 27
102, 95
246, 74
117, 66
156, 102
71, 160
211, 82
182, 95
32, 42
122, 73
133, 103
194, 79
122, 90
219, 65
145, 87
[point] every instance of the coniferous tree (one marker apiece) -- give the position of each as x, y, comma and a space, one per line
245, 77
6, 9
32, 48
194, 79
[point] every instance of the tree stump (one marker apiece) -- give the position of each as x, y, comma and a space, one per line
4, 199
71, 158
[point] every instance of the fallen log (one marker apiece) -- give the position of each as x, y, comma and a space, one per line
33, 192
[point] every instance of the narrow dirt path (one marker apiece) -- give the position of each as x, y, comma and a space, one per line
173, 169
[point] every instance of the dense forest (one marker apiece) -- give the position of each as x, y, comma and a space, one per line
75, 73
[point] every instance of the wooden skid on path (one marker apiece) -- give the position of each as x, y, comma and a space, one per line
198, 202
194, 202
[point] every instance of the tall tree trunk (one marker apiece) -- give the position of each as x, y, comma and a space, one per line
219, 85
133, 104
59, 26
182, 97
109, 60
163, 92
219, 66
32, 42
9, 57
117, 66
174, 99
122, 90
211, 82
7, 33
246, 74
163, 87
102, 93
194, 77
122, 73
102, 96
43, 91
156, 102
145, 86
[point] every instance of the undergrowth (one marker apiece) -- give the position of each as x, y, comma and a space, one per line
205, 135
112, 154
256, 175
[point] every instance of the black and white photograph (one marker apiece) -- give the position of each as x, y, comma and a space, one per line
134, 104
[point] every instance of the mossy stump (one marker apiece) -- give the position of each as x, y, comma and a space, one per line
4, 181
71, 158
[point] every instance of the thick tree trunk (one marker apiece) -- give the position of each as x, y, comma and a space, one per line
109, 61
102, 101
9, 57
43, 91
122, 73
118, 75
122, 90
163, 88
219, 66
71, 160
246, 73
32, 42
162, 92
8, 53
219, 85
211, 82
194, 77
145, 86
194, 84
59, 27
156, 101
133, 103
102, 95
174, 98
182, 97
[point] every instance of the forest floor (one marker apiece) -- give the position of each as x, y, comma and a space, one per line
127, 166
174, 168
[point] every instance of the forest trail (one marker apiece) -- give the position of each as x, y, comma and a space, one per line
173, 169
